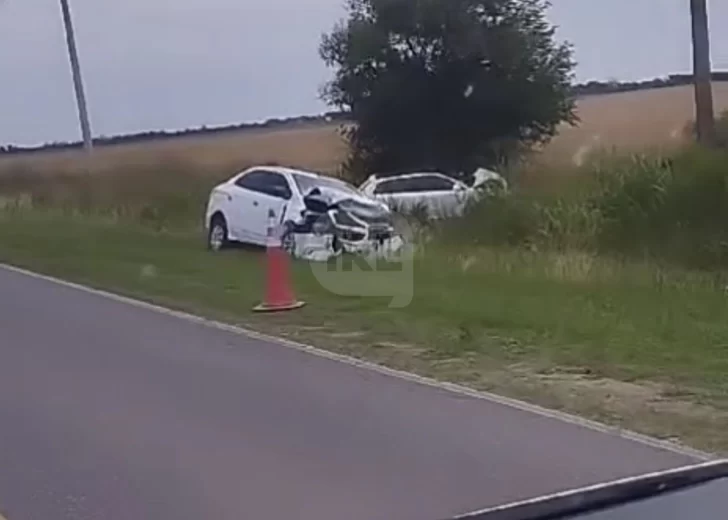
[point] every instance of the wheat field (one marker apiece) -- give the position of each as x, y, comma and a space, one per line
631, 121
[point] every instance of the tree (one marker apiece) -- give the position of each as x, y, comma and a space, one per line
446, 84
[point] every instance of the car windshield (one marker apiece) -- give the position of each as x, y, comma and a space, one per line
306, 183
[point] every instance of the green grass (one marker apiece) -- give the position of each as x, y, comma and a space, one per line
627, 343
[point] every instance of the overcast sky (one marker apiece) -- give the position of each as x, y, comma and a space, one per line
153, 64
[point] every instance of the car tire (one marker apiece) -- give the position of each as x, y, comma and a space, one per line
217, 235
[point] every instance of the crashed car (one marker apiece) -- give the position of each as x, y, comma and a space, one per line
316, 216
440, 195
331, 225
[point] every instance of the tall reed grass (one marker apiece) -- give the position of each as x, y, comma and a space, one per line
666, 209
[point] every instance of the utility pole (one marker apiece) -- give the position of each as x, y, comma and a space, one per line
77, 81
702, 75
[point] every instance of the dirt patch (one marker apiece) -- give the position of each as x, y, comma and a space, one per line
347, 335
681, 415
652, 408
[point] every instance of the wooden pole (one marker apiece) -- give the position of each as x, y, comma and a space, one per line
77, 81
702, 75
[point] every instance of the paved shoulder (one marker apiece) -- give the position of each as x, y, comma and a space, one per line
113, 411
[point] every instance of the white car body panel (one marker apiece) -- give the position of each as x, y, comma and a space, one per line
409, 191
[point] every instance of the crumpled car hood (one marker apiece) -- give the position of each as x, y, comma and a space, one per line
366, 210
334, 196
482, 175
360, 206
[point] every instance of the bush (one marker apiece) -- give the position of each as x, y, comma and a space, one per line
672, 209
630, 197
721, 130
675, 209
500, 221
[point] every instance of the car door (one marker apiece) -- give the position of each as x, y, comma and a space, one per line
426, 191
397, 194
275, 196
243, 207
259, 191
441, 195
432, 192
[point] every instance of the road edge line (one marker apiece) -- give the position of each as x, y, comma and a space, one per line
455, 388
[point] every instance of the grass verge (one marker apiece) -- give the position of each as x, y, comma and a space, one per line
626, 343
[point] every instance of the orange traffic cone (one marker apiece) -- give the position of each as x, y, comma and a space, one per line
279, 291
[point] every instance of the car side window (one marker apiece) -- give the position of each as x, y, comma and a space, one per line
276, 185
392, 186
383, 187
251, 181
418, 184
269, 183
432, 183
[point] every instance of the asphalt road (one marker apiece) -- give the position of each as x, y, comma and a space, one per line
114, 412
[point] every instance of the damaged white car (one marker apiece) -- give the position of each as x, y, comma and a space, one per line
317, 217
440, 195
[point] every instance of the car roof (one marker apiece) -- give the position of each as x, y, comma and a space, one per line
284, 170
411, 175
303, 173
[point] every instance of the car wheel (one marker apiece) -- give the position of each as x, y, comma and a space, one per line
217, 236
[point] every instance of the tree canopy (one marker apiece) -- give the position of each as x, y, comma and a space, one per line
446, 84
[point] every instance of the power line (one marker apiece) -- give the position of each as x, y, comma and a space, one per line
77, 81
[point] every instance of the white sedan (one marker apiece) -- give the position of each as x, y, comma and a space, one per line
303, 203
442, 196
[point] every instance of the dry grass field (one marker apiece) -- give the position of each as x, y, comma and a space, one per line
631, 121
642, 120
